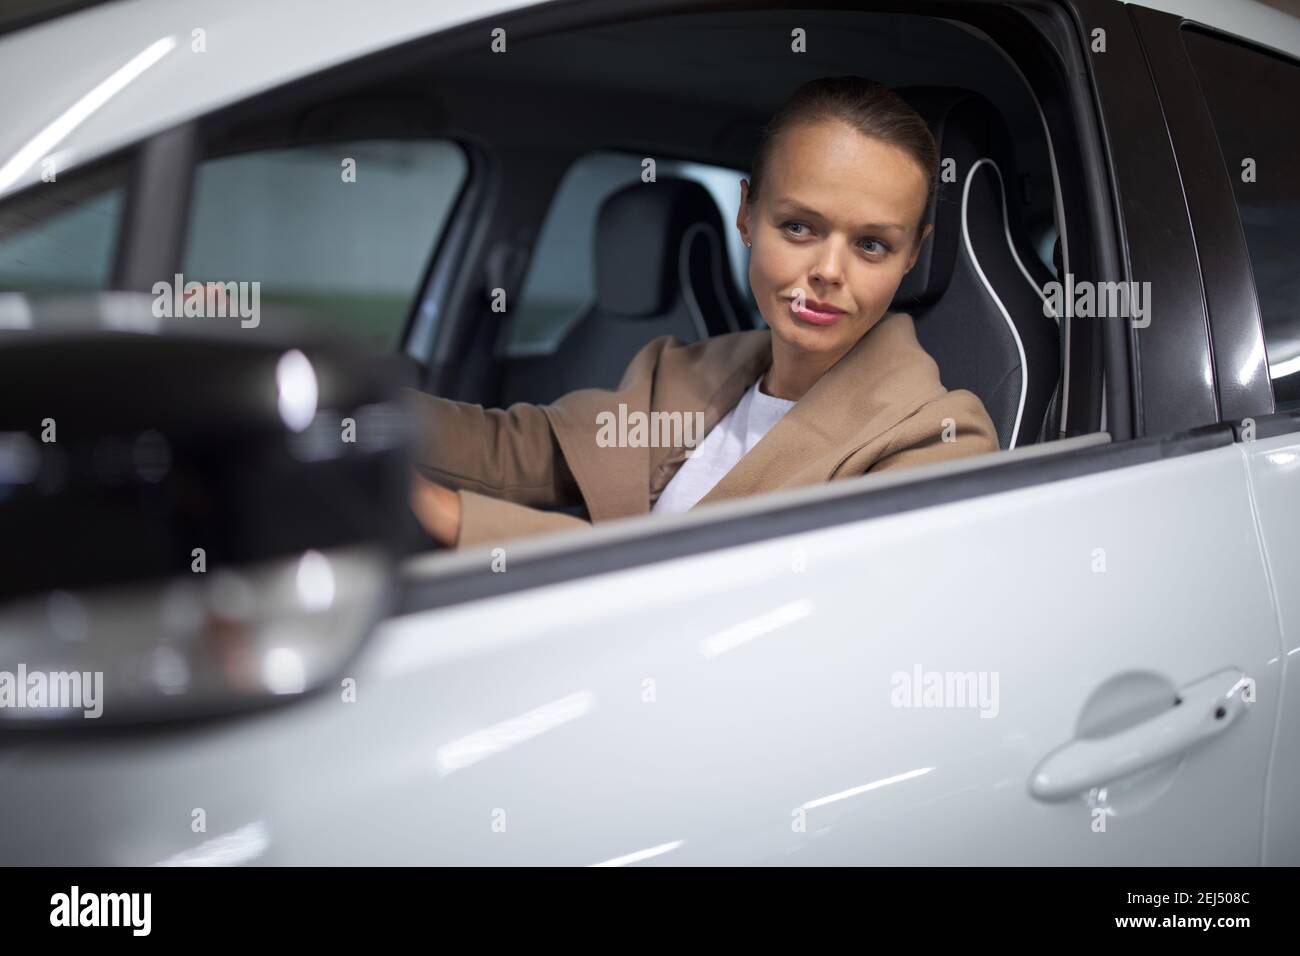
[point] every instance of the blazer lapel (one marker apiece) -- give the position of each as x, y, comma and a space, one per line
875, 385
710, 376
712, 384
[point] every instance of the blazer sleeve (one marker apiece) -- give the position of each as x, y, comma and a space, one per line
508, 464
485, 520
954, 426
504, 464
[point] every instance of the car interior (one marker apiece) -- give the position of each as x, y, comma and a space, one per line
665, 261
658, 253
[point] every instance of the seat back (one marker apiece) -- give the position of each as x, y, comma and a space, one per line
976, 290
660, 269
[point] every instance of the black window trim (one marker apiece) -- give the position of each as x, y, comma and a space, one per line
151, 232
445, 284
1236, 323
1168, 359
1268, 426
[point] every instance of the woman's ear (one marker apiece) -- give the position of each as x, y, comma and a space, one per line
742, 214
916, 246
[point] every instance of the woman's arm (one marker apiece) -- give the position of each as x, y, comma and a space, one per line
464, 519
437, 508
509, 454
955, 426
505, 465
481, 473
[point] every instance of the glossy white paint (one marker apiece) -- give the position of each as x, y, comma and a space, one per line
1275, 487
699, 710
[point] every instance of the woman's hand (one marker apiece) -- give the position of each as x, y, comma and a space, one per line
437, 508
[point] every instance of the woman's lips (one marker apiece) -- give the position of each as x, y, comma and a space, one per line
816, 313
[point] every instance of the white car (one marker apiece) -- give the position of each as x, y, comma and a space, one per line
1079, 649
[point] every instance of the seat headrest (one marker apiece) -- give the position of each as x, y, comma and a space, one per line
965, 127
639, 233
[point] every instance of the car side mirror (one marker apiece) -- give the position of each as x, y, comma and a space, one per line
192, 521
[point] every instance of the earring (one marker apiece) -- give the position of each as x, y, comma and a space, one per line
748, 242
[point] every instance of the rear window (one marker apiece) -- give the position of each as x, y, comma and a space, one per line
342, 232
560, 284
60, 235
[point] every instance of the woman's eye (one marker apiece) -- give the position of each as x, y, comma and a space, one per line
880, 247
790, 227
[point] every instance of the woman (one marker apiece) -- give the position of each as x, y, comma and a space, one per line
832, 213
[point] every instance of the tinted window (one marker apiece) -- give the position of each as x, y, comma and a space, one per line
349, 252
1252, 94
59, 236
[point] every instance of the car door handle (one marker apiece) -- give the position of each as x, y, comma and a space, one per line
1203, 709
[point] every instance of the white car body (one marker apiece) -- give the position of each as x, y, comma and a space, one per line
743, 705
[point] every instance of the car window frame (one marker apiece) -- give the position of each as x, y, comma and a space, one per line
1170, 361
1227, 273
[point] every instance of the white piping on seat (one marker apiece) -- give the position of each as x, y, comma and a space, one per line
1006, 231
988, 287
715, 260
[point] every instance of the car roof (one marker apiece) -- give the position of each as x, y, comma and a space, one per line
89, 82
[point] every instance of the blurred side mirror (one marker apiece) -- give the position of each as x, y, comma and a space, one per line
192, 521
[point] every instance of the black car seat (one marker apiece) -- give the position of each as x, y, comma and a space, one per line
976, 291
660, 269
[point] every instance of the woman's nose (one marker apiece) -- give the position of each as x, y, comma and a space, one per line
829, 266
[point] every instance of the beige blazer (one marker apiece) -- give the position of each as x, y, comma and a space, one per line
880, 407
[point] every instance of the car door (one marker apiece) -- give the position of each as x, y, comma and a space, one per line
890, 690
954, 669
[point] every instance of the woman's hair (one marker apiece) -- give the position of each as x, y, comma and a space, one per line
871, 108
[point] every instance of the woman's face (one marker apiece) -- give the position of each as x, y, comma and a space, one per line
836, 221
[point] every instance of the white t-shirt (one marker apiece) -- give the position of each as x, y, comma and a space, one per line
730, 440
